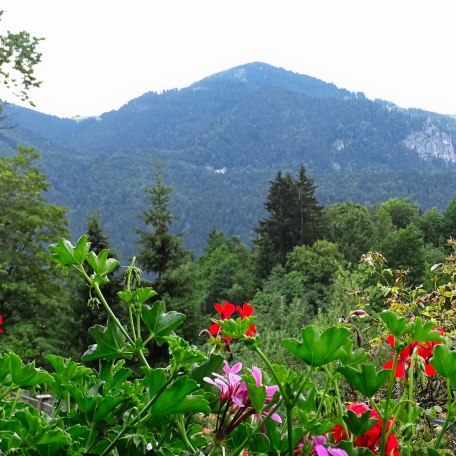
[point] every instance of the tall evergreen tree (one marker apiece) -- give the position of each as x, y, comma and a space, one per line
294, 219
159, 249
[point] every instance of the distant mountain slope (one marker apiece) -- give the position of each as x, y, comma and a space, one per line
221, 141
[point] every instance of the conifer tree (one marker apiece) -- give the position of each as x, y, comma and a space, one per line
294, 219
159, 249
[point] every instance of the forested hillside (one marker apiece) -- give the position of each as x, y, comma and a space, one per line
221, 141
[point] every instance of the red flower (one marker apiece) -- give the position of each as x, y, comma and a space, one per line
246, 311
424, 350
1, 322
371, 438
225, 311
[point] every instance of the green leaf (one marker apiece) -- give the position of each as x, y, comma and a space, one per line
367, 381
318, 349
206, 368
66, 254
257, 394
110, 343
353, 450
236, 329
27, 375
154, 380
358, 425
354, 357
175, 399
102, 265
182, 354
397, 325
259, 443
425, 333
444, 362
67, 369
159, 322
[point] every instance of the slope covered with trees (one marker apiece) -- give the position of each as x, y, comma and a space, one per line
222, 140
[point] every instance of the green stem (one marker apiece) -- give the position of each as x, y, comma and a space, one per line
302, 386
274, 375
105, 304
338, 399
288, 404
183, 435
448, 418
128, 288
384, 417
410, 396
9, 390
16, 398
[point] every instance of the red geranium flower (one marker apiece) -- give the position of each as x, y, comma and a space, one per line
225, 311
1, 322
371, 438
246, 310
424, 350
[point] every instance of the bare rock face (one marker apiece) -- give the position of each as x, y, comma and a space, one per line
431, 143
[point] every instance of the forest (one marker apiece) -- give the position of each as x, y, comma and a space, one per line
302, 257
309, 267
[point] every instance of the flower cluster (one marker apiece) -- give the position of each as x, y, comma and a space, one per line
234, 399
424, 351
371, 438
318, 447
226, 311
1, 323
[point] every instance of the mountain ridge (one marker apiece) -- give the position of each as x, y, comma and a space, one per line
248, 121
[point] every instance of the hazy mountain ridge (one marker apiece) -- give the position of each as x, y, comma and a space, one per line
248, 121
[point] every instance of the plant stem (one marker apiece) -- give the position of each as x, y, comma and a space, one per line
384, 416
105, 304
448, 418
288, 404
183, 434
128, 288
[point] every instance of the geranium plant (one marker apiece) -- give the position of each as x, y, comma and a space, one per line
340, 402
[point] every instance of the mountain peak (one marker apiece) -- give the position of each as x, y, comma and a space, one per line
260, 74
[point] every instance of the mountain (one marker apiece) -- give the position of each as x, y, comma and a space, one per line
222, 139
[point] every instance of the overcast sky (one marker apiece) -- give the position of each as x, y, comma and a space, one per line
99, 54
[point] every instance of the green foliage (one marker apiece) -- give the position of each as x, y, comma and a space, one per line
18, 58
294, 219
352, 227
159, 249
34, 303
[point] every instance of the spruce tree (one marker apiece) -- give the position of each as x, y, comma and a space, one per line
159, 249
294, 219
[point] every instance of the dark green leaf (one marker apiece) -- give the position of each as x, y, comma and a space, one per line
159, 322
66, 254
367, 381
318, 349
397, 325
110, 343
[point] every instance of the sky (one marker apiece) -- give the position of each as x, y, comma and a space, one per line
100, 54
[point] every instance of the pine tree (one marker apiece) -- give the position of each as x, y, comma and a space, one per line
294, 219
159, 249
